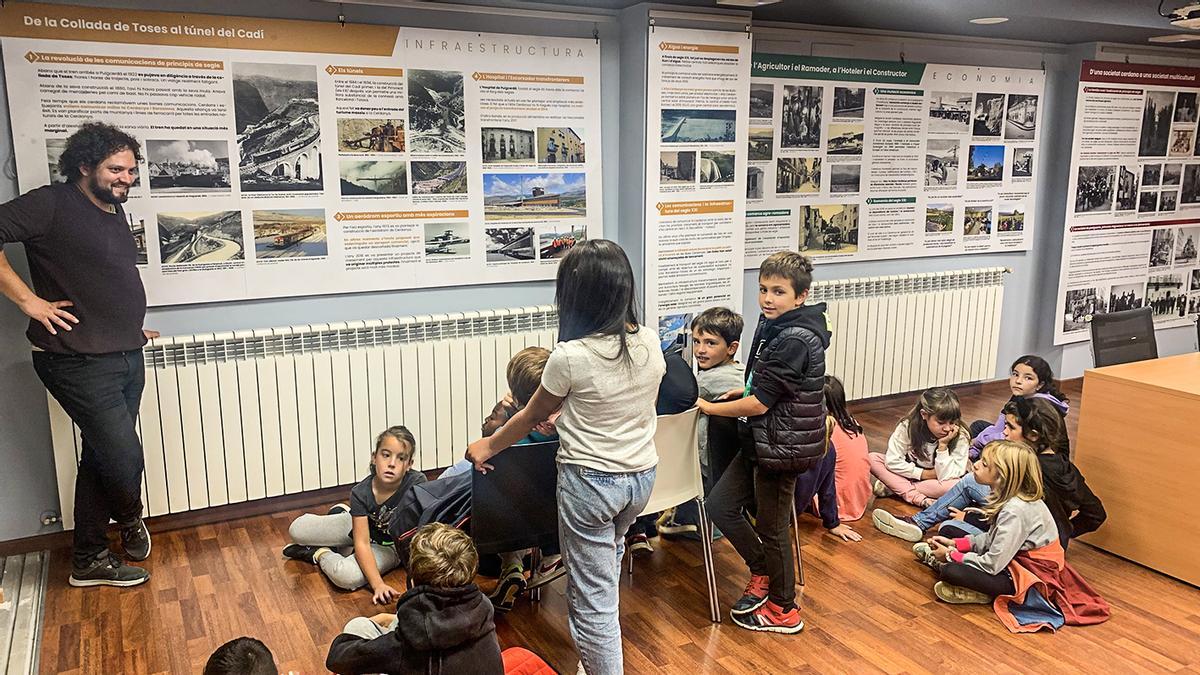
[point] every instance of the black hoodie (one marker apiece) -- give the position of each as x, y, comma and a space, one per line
786, 372
439, 630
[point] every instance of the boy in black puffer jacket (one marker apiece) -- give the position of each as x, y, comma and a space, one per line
784, 435
444, 624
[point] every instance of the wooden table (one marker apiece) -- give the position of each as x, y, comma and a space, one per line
1139, 448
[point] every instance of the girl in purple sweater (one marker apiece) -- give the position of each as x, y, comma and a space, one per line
1030, 377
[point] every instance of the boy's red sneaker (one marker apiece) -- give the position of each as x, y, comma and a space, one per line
753, 597
771, 618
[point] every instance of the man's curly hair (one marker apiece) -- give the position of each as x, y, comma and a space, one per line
93, 143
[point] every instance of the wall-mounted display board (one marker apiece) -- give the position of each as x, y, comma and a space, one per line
697, 90
286, 158
1133, 202
855, 160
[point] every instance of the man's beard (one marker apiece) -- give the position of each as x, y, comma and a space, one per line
106, 195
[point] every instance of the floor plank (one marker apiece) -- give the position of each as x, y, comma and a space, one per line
868, 607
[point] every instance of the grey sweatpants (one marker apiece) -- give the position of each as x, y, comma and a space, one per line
340, 566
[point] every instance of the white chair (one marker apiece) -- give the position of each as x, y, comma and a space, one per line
678, 481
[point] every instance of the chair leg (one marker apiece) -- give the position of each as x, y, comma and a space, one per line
714, 609
796, 534
535, 561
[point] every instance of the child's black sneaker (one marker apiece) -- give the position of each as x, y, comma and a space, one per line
338, 508
639, 545
511, 585
302, 553
753, 597
108, 571
771, 618
136, 541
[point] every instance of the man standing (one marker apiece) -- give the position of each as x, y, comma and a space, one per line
86, 312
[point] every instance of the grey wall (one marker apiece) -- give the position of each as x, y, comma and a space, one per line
27, 482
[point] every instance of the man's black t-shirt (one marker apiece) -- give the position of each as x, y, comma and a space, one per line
81, 253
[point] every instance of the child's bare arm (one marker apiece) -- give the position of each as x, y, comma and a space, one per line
361, 533
749, 406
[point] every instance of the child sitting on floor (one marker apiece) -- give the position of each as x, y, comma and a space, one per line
853, 470
926, 454
443, 620
1030, 377
241, 656
1018, 564
351, 544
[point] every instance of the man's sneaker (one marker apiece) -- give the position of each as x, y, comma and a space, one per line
958, 595
923, 552
879, 489
771, 618
511, 585
303, 553
671, 528
753, 597
551, 568
338, 508
903, 527
136, 540
109, 571
639, 545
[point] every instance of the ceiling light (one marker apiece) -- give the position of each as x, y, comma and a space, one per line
989, 20
1178, 37
746, 3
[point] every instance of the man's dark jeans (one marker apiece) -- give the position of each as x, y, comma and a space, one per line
102, 394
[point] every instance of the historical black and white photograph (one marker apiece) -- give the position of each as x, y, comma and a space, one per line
185, 166
507, 145
1190, 191
1157, 112
1195, 285
438, 178
1181, 142
1127, 187
1151, 174
1147, 202
1021, 119
797, 174
290, 233
363, 135
436, 117
801, 113
977, 221
507, 244
1162, 243
677, 167
989, 114
1193, 304
762, 100
829, 229
447, 241
1172, 174
762, 141
697, 125
1168, 201
1081, 305
949, 112
985, 163
1185, 106
754, 182
1094, 189
278, 127
200, 237
941, 162
845, 177
849, 102
1022, 162
1186, 240
1126, 296
845, 139
1166, 296
716, 166
373, 177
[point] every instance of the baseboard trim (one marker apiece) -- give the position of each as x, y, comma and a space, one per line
968, 389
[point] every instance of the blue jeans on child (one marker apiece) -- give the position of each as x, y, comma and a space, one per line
966, 492
595, 509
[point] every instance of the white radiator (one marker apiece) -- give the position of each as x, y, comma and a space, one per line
908, 332
232, 417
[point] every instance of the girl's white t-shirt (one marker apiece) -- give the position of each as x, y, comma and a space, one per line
608, 419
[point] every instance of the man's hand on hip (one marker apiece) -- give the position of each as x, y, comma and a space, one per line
49, 314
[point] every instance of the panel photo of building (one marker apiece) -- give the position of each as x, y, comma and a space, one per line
560, 145
507, 145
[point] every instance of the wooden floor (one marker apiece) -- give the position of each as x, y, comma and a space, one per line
868, 607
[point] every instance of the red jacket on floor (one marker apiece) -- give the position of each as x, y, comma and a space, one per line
1045, 572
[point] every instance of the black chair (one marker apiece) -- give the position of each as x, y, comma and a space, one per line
1122, 337
515, 507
